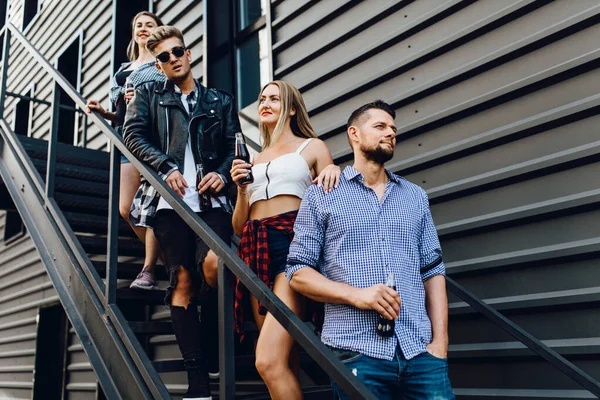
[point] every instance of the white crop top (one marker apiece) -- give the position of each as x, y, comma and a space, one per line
287, 174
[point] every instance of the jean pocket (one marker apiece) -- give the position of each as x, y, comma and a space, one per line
346, 356
434, 357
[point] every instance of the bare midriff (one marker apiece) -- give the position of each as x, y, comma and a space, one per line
273, 206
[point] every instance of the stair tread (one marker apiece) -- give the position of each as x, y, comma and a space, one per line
91, 223
73, 171
155, 297
130, 270
81, 203
38, 148
97, 245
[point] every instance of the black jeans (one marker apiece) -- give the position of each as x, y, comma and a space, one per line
182, 247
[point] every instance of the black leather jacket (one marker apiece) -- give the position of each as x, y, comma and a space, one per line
156, 129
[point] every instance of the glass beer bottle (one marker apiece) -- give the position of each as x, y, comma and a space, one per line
205, 203
385, 327
241, 153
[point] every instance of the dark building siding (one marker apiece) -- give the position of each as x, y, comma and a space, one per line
24, 287
497, 114
497, 106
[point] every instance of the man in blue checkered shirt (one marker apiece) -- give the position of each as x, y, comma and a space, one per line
348, 241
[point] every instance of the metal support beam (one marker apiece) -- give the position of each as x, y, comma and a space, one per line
564, 365
5, 56
112, 245
226, 336
51, 162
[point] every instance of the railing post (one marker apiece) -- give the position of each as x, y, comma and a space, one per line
5, 54
112, 240
51, 164
84, 132
226, 335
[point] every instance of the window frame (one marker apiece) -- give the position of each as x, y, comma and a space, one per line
16, 234
34, 18
31, 94
242, 36
78, 35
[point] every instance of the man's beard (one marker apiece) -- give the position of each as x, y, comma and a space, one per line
378, 154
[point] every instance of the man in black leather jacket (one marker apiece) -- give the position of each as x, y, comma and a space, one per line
174, 127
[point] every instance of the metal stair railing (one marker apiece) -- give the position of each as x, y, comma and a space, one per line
558, 361
230, 264
80, 289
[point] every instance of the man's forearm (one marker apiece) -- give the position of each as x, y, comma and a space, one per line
437, 307
315, 286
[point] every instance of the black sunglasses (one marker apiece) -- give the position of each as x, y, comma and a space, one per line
165, 56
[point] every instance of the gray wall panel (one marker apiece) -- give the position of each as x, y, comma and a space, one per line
497, 110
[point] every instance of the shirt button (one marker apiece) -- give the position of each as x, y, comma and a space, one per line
383, 239
212, 111
160, 102
216, 99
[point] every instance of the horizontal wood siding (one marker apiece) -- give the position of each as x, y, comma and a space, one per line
497, 113
24, 287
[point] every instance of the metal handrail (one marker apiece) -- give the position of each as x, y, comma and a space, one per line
229, 262
564, 365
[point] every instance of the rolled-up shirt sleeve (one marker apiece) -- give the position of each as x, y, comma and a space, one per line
430, 251
309, 234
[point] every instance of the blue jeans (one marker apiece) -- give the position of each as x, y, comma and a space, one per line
423, 377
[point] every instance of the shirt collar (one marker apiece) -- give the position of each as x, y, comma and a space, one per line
350, 173
179, 92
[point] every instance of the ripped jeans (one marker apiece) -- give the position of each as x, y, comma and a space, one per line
423, 377
182, 247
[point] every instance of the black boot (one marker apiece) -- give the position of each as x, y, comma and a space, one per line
187, 328
210, 332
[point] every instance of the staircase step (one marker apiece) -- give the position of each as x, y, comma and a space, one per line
90, 223
68, 154
97, 245
324, 392
84, 204
150, 297
151, 327
130, 270
79, 186
73, 171
565, 347
176, 365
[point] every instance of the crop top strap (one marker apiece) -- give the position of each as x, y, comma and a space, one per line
303, 145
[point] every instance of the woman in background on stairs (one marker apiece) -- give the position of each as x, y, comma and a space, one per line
264, 216
140, 69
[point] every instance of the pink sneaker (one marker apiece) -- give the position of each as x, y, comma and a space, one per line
144, 281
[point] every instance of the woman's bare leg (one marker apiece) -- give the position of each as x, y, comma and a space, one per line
275, 345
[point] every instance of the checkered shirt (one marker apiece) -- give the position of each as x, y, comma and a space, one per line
144, 73
351, 237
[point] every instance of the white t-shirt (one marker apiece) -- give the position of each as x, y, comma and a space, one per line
189, 174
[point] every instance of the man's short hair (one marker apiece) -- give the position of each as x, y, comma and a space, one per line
362, 110
163, 33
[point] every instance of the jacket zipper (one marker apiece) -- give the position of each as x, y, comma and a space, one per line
168, 141
268, 180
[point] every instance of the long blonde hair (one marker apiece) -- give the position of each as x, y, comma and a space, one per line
290, 99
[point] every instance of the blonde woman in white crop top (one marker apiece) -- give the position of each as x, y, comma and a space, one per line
292, 158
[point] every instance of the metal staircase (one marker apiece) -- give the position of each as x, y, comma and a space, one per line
67, 197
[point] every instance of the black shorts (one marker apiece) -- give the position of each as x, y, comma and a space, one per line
182, 247
279, 248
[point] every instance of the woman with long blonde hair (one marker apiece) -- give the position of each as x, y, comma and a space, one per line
140, 69
264, 216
